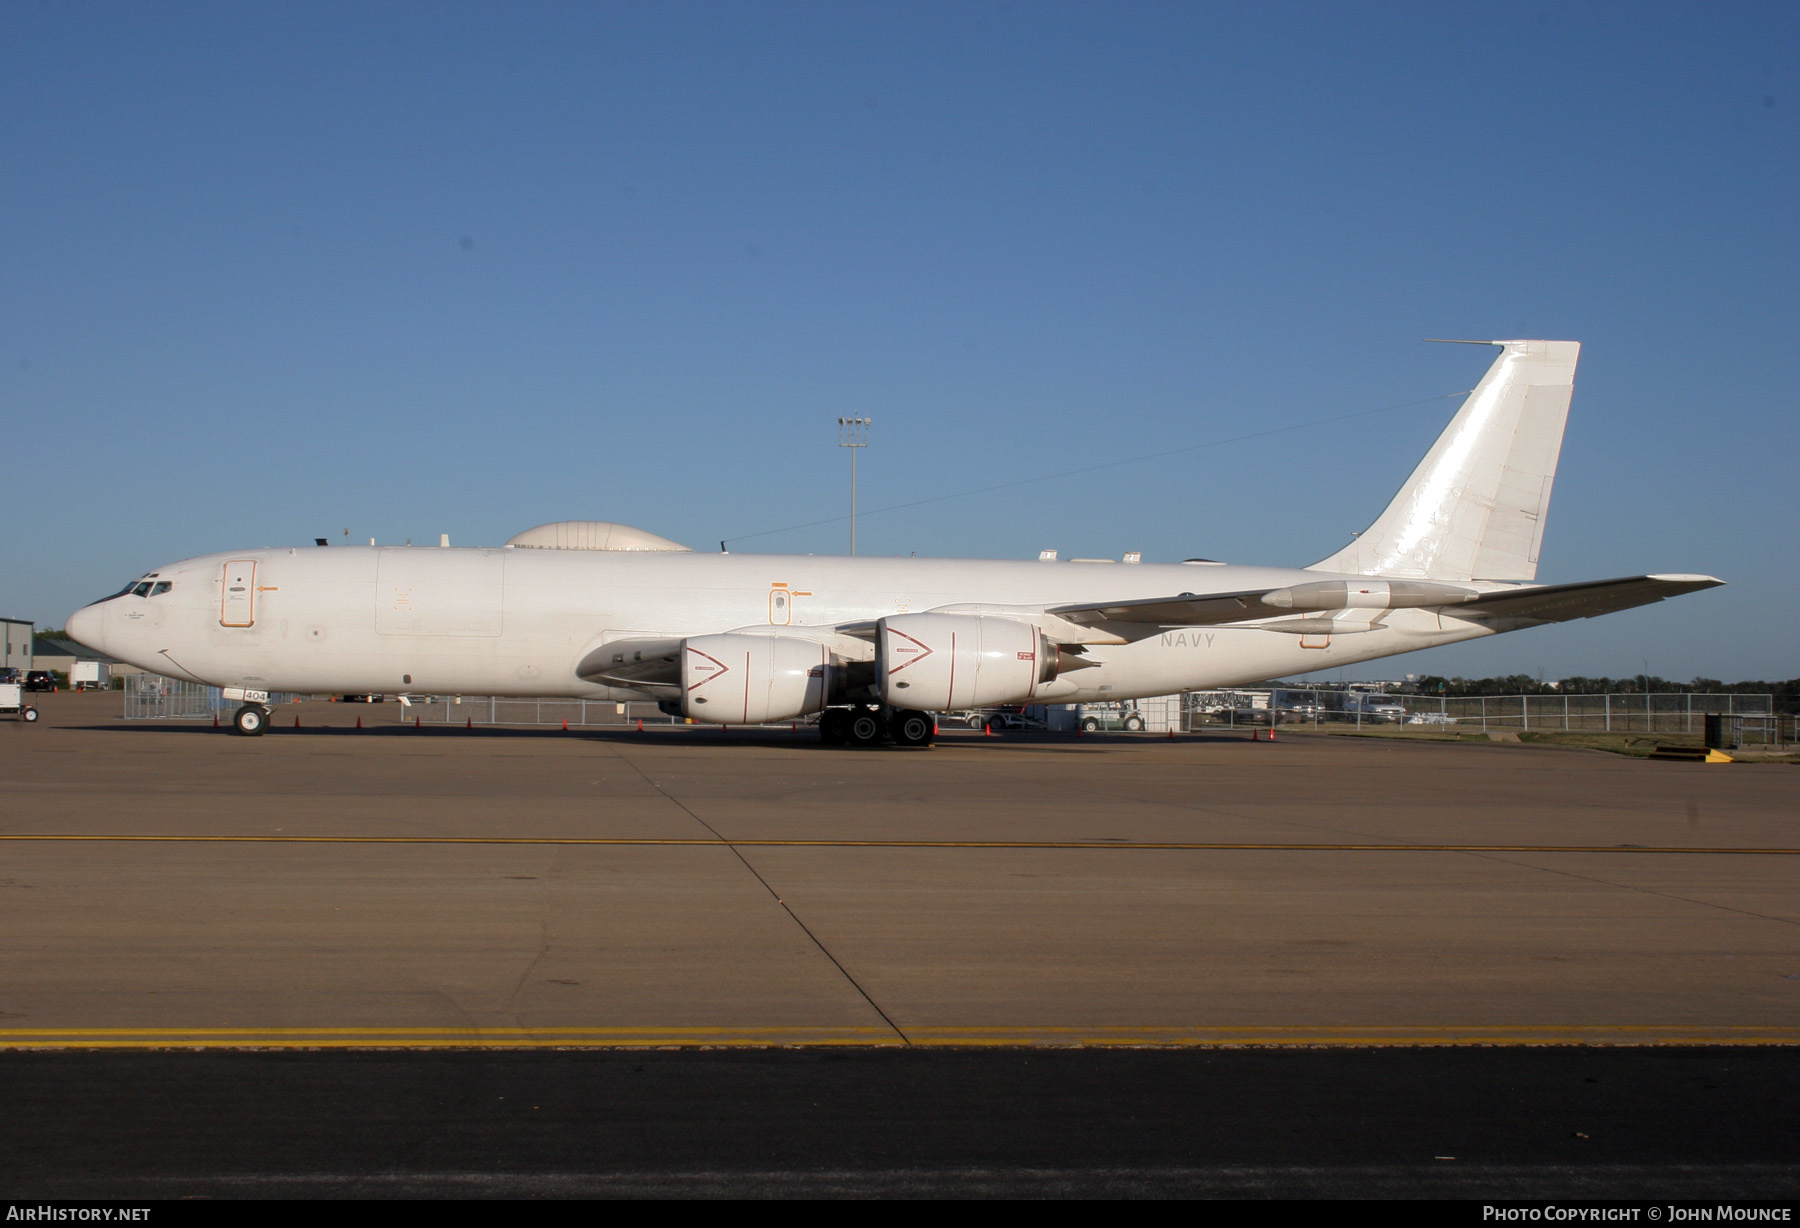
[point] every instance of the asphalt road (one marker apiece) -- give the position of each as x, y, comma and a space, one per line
1631, 1123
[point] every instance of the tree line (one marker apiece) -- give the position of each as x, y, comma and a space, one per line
1787, 694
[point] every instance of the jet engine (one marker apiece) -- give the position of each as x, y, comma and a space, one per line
936, 662
742, 679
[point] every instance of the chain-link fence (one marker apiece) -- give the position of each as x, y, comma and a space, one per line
152, 697
500, 710
1753, 716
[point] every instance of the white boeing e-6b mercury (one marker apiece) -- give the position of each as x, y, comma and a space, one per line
602, 611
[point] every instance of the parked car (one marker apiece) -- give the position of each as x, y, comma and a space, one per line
1004, 718
41, 680
1129, 720
1246, 716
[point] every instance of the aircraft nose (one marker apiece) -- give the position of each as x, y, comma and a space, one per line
87, 626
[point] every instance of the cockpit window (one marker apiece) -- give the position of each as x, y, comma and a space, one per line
161, 587
129, 586
141, 589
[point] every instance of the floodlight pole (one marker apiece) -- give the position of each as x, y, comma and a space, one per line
853, 433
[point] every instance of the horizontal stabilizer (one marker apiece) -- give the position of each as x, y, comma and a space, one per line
1555, 603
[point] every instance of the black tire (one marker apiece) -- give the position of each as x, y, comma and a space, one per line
909, 728
251, 720
865, 728
834, 726
1134, 724
1089, 724
30, 715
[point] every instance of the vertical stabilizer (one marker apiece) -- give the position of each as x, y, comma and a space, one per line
1474, 508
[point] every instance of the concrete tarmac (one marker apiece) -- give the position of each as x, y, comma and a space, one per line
169, 884
171, 887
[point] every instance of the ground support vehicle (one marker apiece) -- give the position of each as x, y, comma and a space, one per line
12, 702
1110, 716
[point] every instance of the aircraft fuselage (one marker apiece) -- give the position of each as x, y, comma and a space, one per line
507, 621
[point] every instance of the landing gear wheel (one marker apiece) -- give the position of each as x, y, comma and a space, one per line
909, 728
30, 715
834, 727
251, 720
865, 728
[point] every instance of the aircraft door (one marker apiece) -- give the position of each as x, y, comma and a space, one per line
781, 610
237, 599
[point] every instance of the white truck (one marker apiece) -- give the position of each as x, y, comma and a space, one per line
89, 676
1367, 706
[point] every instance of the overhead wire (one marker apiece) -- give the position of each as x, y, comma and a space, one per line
1130, 460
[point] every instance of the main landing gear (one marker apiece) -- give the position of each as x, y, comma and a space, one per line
251, 720
867, 726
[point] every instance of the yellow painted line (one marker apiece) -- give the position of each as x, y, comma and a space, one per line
1096, 1036
698, 842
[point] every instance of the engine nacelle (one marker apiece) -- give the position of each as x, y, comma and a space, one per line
937, 662
740, 679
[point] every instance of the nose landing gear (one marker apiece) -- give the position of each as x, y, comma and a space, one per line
251, 720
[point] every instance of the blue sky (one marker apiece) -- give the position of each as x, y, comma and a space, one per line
275, 271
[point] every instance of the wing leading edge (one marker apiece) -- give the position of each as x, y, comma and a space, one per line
1537, 603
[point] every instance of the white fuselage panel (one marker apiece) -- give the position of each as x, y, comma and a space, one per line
517, 621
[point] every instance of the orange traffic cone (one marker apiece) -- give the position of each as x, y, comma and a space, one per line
215, 720
565, 724
296, 720
1271, 731
416, 723
640, 724
359, 722
1171, 734
469, 722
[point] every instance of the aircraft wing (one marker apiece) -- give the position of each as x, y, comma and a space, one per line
1185, 610
640, 662
1555, 603
1210, 609
1546, 603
